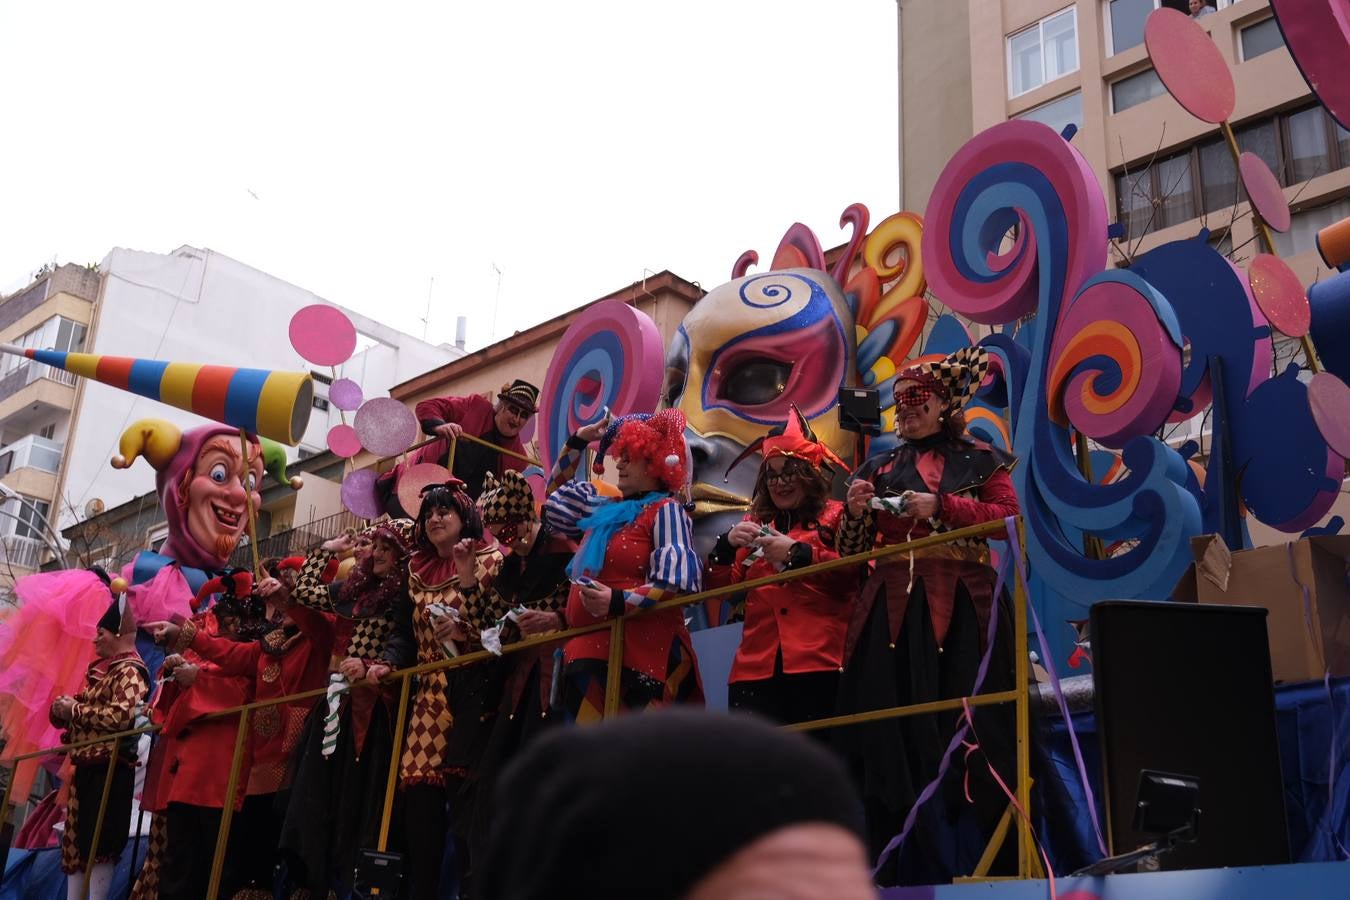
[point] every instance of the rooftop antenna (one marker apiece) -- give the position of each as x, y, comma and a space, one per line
496, 303
426, 320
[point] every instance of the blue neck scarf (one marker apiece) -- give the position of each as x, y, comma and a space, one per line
600, 527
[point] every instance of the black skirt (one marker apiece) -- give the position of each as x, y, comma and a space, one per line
893, 760
86, 793
336, 801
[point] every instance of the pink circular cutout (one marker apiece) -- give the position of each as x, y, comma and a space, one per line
1329, 399
1189, 65
345, 394
411, 482
385, 426
1280, 294
343, 441
358, 494
1264, 191
323, 335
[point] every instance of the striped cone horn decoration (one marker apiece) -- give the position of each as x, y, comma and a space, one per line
261, 401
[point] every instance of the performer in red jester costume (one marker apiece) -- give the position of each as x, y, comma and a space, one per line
787, 666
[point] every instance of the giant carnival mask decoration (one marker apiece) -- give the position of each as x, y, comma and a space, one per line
757, 345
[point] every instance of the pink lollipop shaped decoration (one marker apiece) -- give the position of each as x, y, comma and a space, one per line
385, 426
345, 394
343, 441
323, 335
1264, 191
1330, 401
358, 494
411, 482
1280, 294
1189, 65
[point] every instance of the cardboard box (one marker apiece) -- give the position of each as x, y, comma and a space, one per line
1306, 639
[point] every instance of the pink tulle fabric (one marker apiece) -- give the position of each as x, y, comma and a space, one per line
45, 647
161, 598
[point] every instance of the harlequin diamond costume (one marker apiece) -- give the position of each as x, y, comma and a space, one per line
115, 686
532, 576
446, 731
919, 631
337, 793
642, 547
787, 665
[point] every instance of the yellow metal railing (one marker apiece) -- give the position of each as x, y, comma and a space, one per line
1028, 864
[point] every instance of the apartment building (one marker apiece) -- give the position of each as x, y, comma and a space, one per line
36, 402
58, 432
968, 64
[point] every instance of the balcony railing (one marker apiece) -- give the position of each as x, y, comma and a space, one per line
33, 452
20, 552
29, 372
297, 540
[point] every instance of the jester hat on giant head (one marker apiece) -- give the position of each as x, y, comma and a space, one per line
173, 453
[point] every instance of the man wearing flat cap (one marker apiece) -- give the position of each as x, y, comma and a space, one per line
497, 423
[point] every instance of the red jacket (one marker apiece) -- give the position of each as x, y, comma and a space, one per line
191, 761
807, 618
289, 665
475, 414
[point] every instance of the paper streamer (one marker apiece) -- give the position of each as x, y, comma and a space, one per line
337, 685
385, 426
611, 356
323, 335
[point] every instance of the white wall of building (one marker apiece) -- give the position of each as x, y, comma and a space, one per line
195, 305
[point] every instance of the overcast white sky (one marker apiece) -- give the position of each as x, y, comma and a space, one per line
573, 145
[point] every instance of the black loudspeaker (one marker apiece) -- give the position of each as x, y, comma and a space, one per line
1186, 688
377, 875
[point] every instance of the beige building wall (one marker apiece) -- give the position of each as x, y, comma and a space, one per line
955, 77
954, 74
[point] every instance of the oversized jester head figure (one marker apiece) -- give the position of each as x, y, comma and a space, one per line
759, 344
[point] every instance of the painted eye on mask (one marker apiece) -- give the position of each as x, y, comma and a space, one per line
754, 382
219, 474
677, 371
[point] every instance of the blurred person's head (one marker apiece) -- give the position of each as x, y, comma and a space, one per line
744, 811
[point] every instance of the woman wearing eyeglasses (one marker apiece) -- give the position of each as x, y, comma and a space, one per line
787, 666
920, 627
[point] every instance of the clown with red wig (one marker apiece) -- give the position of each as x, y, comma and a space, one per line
635, 552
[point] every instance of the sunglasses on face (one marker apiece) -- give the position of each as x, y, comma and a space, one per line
783, 476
